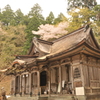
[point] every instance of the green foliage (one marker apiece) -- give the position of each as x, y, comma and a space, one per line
35, 11
79, 18
11, 43
50, 18
25, 20
7, 15
60, 18
35, 19
96, 30
81, 3
97, 14
19, 17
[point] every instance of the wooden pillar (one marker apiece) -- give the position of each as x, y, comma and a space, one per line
82, 75
38, 84
60, 80
23, 85
14, 86
30, 83
11, 86
72, 79
88, 71
81, 67
49, 82
20, 83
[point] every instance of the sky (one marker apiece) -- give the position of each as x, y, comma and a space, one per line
56, 6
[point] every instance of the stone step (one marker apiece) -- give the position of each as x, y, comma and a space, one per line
23, 98
48, 98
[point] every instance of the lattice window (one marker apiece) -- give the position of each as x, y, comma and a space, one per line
77, 73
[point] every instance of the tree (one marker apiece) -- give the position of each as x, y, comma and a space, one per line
96, 24
50, 18
81, 3
36, 11
7, 15
35, 19
26, 20
19, 17
96, 10
49, 32
11, 43
60, 18
79, 17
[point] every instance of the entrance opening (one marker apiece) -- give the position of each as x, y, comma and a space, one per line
43, 78
17, 84
68, 71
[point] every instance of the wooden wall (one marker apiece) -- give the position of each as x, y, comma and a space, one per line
91, 71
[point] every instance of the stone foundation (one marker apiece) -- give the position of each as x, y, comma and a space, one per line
68, 97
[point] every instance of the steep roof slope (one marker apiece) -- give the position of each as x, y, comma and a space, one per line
71, 40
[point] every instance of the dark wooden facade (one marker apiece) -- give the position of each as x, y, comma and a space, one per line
68, 65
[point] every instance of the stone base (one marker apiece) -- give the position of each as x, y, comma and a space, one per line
57, 97
22, 98
68, 97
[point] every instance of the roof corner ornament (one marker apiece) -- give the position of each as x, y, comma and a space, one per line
86, 27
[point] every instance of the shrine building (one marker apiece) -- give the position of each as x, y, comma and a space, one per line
66, 67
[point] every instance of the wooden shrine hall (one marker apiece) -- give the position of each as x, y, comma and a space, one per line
69, 65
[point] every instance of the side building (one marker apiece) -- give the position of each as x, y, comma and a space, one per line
68, 66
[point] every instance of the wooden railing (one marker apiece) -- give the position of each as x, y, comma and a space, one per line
92, 90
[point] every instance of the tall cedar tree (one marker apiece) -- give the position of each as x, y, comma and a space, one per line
35, 20
7, 16
50, 18
19, 17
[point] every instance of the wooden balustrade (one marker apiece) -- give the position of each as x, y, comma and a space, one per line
92, 90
